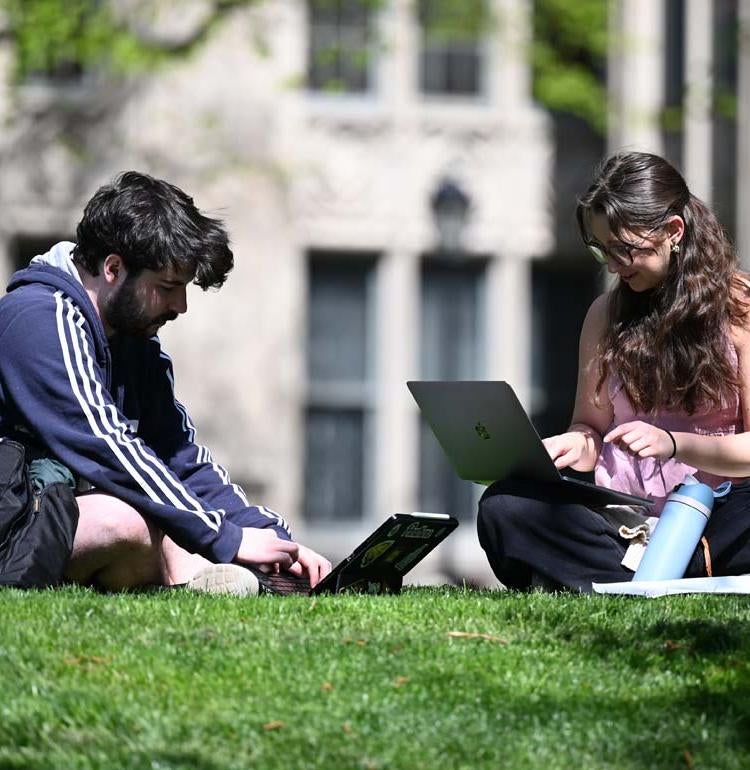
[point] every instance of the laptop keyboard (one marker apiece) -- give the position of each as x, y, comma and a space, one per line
282, 583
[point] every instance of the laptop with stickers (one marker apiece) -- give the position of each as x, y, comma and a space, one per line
379, 563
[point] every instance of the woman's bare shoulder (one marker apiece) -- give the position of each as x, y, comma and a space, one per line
596, 316
595, 322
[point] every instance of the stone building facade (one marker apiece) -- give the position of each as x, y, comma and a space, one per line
295, 372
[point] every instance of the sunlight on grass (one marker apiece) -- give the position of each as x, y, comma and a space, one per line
430, 679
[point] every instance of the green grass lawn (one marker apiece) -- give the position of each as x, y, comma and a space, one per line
434, 678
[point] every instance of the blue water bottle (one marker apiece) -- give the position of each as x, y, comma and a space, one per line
678, 530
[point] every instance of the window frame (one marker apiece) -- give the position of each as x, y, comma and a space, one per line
342, 394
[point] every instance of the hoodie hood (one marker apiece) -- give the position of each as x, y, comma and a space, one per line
56, 270
61, 257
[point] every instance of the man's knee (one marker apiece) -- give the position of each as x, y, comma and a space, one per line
111, 522
114, 547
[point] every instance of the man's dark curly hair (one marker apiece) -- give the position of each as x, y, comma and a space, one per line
152, 225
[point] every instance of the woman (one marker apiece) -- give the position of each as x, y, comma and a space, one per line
663, 390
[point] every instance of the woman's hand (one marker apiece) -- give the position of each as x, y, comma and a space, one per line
642, 439
567, 449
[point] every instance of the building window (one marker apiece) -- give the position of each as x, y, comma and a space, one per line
452, 345
451, 57
674, 77
340, 355
339, 45
727, 34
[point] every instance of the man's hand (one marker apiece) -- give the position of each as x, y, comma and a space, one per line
567, 449
315, 566
642, 439
265, 547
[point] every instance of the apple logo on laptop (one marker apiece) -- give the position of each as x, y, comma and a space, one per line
482, 432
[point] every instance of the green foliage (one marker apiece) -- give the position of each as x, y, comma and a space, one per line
55, 36
451, 21
569, 55
434, 678
725, 104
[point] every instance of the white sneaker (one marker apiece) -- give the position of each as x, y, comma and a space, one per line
224, 579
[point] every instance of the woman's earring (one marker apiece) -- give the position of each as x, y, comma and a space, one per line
675, 248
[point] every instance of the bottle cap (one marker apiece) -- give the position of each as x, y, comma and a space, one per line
698, 496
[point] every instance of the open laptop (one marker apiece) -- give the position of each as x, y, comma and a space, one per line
488, 437
378, 564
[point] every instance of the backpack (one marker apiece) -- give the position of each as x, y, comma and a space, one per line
36, 528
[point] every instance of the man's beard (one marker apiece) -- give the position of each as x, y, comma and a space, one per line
124, 313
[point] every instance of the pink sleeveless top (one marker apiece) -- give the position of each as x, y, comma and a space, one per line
649, 476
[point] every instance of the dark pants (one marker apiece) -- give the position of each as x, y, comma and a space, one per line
527, 532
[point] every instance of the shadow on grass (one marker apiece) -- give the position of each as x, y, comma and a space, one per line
171, 760
708, 654
655, 731
703, 637
698, 666
694, 638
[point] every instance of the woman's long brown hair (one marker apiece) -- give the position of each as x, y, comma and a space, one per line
669, 345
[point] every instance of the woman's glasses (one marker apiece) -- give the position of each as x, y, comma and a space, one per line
621, 253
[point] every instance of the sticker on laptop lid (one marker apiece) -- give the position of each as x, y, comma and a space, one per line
419, 531
394, 553
482, 432
376, 552
410, 558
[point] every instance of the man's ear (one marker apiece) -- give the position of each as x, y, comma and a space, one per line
113, 268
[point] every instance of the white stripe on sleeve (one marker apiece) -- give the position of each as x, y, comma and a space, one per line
128, 451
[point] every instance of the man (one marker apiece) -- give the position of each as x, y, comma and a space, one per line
83, 379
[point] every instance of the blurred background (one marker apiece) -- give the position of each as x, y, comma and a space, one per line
398, 178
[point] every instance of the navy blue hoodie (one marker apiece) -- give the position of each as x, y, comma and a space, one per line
107, 410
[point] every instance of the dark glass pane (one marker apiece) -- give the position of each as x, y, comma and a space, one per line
337, 449
324, 58
450, 70
323, 12
726, 42
339, 45
463, 72
674, 74
432, 75
450, 323
353, 58
354, 13
338, 320
451, 303
449, 60
334, 461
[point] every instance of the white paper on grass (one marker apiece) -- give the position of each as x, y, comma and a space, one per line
736, 584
